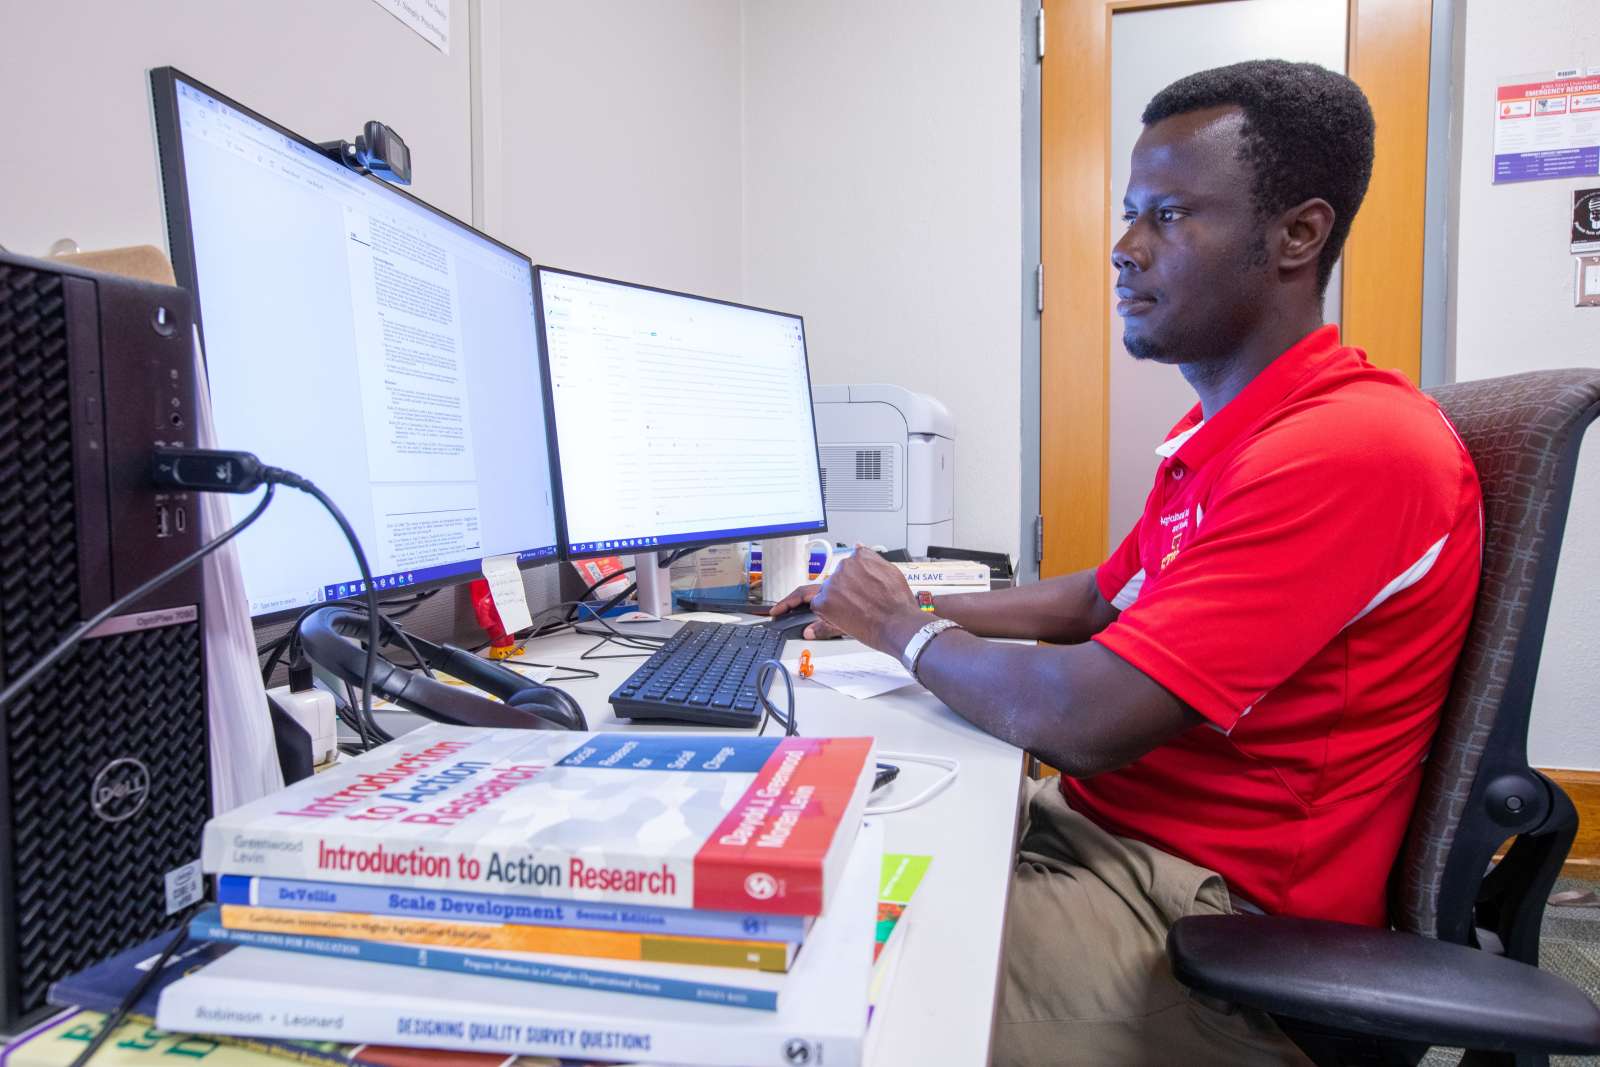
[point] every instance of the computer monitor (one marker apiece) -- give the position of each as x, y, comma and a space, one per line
679, 420
359, 337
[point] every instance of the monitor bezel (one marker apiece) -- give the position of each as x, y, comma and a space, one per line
164, 83
675, 547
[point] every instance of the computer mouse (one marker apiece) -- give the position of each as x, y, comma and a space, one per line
793, 625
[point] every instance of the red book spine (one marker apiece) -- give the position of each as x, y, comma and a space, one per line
769, 853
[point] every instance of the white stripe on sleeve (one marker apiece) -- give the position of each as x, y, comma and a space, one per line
1129, 593
1406, 579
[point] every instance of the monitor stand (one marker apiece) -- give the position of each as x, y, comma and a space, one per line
655, 584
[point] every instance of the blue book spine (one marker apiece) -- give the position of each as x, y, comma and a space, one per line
451, 904
208, 926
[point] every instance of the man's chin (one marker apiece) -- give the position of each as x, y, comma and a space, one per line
1143, 347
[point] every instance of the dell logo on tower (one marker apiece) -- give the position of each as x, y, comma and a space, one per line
119, 790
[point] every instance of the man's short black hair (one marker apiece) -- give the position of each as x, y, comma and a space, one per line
1307, 133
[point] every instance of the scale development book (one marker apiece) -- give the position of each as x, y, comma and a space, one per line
413, 903
677, 820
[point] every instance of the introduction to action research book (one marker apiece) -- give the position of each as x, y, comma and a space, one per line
678, 820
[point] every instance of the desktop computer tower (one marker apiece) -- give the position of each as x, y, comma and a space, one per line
104, 772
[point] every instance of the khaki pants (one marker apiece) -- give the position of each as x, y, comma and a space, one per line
1085, 978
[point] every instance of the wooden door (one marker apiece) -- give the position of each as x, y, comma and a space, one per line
1382, 296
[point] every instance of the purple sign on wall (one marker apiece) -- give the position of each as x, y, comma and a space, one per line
1561, 163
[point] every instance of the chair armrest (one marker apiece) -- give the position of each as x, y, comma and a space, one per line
1382, 983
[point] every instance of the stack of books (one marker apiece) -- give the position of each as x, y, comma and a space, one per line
676, 898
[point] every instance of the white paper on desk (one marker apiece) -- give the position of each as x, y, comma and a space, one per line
534, 672
505, 585
857, 674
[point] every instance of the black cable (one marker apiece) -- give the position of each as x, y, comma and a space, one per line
77, 634
573, 674
674, 556
289, 641
305, 485
769, 710
572, 613
607, 639
408, 605
421, 598
142, 986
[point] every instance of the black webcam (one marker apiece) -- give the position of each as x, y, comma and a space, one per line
378, 149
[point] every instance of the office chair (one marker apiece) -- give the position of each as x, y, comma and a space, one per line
1459, 968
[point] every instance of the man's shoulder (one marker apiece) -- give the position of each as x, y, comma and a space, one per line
1361, 418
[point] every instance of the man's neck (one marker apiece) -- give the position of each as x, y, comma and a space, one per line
1218, 381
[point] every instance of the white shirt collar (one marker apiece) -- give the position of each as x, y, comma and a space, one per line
1166, 448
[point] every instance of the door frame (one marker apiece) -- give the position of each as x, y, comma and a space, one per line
1390, 45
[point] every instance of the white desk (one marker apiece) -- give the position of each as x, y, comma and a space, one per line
940, 1007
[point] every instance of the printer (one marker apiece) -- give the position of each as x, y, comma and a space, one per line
888, 466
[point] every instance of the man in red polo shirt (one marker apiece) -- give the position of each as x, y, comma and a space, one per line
1241, 697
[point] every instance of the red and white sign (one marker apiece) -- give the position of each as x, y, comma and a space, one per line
1547, 127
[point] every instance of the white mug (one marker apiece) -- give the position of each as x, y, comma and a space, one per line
786, 564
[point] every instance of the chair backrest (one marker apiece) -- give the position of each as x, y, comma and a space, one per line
1523, 432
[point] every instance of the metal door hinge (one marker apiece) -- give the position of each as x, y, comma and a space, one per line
1038, 22
1038, 288
1038, 538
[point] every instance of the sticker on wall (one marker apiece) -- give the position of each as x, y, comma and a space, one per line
1547, 126
1585, 220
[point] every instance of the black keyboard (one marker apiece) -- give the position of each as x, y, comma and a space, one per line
705, 674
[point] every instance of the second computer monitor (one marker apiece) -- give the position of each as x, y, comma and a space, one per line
679, 420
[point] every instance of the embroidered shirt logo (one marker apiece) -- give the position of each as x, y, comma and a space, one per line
1175, 525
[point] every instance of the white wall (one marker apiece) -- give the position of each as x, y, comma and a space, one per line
74, 74
1150, 49
1512, 311
882, 147
618, 138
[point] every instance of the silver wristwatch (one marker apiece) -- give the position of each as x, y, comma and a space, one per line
919, 641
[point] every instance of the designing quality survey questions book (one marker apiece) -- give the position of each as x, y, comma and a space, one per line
715, 821
821, 1020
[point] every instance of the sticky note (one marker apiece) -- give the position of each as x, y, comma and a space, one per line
505, 585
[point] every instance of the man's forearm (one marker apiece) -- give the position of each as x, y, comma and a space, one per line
1079, 708
1064, 610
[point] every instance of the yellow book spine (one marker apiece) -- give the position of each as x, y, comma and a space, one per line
133, 1044
507, 937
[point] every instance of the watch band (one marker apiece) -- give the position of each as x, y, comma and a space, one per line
919, 642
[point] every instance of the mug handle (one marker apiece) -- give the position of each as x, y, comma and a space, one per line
827, 557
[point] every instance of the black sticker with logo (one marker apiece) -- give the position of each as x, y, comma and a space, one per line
1586, 220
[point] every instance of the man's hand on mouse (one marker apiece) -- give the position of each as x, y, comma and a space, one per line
864, 592
820, 630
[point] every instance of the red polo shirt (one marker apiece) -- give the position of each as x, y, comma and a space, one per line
1302, 577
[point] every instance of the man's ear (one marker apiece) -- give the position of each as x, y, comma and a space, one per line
1305, 229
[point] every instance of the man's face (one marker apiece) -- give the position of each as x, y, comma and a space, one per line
1192, 267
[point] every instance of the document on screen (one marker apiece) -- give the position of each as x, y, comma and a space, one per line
418, 525
408, 352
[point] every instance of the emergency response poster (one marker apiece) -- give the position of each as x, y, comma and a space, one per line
1547, 126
